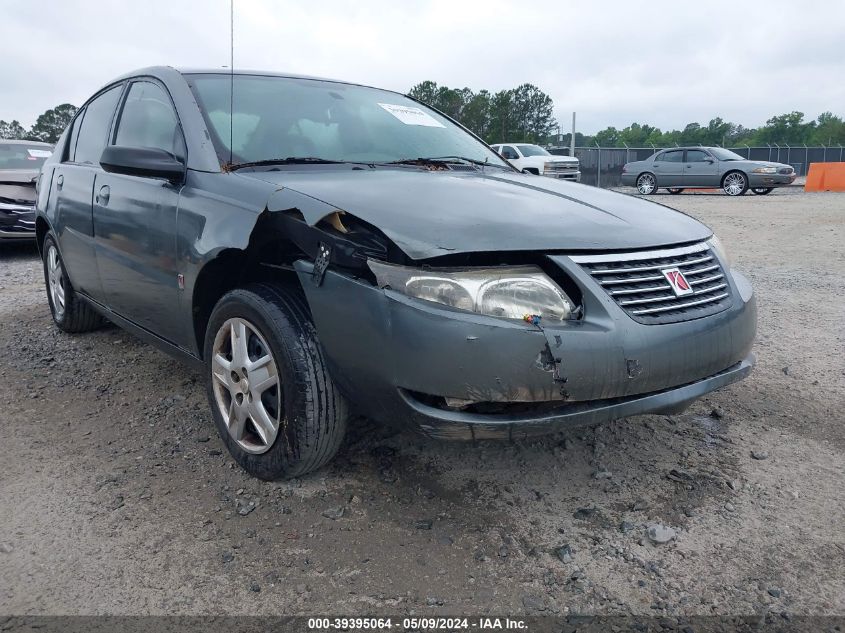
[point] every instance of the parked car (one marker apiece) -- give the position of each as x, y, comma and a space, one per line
682, 168
345, 249
533, 159
20, 163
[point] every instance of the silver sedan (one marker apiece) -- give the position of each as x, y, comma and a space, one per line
682, 168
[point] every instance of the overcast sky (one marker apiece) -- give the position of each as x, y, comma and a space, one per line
663, 63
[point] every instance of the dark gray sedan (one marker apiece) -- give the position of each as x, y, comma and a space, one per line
347, 250
682, 168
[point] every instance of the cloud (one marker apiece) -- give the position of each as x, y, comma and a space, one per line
665, 63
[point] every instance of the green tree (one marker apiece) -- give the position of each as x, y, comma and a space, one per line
785, 128
12, 130
426, 92
50, 125
476, 114
829, 130
608, 137
501, 116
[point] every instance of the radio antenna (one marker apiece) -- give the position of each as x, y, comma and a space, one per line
231, 81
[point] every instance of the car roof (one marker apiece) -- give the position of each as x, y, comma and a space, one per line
11, 141
162, 71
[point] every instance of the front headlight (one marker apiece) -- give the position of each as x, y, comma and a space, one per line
508, 292
717, 247
766, 170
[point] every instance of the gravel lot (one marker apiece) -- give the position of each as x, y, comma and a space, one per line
117, 497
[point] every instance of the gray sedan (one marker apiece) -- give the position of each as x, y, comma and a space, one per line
682, 168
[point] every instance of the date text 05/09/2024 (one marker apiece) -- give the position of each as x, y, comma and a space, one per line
416, 624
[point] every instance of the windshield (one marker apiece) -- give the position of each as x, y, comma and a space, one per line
22, 156
532, 150
283, 117
725, 154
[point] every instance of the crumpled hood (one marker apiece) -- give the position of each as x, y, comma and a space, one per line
18, 184
431, 213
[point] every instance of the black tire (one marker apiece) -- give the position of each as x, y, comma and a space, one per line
76, 315
312, 410
762, 191
643, 181
675, 191
531, 170
740, 189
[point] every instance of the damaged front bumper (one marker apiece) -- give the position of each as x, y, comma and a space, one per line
17, 221
401, 359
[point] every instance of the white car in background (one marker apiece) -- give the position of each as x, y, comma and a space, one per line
534, 159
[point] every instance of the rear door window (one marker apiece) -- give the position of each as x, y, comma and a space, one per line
509, 152
675, 156
94, 131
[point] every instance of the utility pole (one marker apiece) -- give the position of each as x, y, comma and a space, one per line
572, 140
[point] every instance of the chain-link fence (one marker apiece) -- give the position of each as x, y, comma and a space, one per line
602, 166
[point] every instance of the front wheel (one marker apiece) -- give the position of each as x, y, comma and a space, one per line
646, 184
762, 191
675, 191
735, 183
272, 399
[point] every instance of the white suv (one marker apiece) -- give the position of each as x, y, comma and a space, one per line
534, 159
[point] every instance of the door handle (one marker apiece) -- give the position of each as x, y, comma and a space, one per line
60, 181
103, 195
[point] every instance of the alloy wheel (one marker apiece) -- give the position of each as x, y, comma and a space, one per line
55, 278
646, 184
247, 386
734, 184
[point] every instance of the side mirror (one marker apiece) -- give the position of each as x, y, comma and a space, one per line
146, 162
710, 160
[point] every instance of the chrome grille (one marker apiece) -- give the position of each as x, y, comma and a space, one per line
637, 283
560, 166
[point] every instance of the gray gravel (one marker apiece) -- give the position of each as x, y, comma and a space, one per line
116, 496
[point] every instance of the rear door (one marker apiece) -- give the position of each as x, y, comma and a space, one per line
135, 217
73, 186
700, 169
668, 168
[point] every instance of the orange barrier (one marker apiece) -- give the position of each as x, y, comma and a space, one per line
826, 177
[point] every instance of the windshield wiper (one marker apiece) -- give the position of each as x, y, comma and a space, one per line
290, 160
439, 160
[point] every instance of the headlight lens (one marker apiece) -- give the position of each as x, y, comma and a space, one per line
505, 292
717, 247
766, 170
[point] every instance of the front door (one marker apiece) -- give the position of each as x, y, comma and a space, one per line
668, 167
135, 219
700, 169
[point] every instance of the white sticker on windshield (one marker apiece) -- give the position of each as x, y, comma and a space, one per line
40, 153
410, 115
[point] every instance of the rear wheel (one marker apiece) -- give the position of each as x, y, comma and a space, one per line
70, 313
646, 183
675, 191
762, 191
735, 183
272, 399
